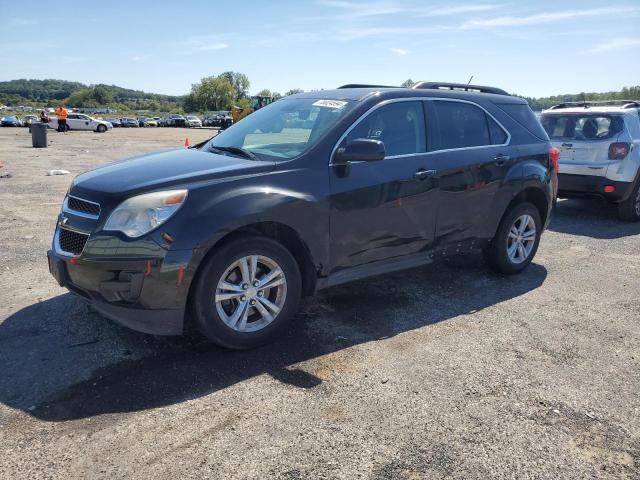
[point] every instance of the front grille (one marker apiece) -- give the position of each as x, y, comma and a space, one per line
83, 206
72, 242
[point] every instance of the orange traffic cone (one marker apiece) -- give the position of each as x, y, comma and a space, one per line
186, 142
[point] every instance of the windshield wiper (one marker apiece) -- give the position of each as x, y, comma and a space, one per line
241, 152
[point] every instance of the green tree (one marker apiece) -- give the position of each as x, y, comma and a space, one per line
101, 95
293, 91
240, 83
276, 96
407, 83
243, 103
212, 93
265, 92
189, 103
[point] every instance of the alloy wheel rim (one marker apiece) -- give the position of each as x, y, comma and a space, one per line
521, 238
251, 293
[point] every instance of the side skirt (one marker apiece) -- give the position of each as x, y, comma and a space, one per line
376, 268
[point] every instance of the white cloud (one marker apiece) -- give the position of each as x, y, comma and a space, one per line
139, 58
547, 17
71, 59
203, 43
373, 9
23, 22
614, 44
399, 51
366, 32
210, 46
443, 11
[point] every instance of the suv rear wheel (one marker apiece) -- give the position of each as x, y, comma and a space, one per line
629, 210
246, 293
516, 241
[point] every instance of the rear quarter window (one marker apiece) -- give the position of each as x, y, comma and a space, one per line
522, 114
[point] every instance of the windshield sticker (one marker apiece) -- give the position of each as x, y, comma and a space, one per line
329, 103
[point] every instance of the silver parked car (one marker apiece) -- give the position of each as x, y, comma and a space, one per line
599, 145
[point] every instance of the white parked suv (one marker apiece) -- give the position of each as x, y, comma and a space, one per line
599, 145
193, 121
78, 121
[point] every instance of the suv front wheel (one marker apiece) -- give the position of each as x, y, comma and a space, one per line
247, 291
516, 241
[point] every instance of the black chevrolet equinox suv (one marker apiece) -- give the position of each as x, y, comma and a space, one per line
312, 191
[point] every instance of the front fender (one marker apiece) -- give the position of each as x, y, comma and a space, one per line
213, 217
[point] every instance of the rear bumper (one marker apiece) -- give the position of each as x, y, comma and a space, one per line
135, 294
570, 185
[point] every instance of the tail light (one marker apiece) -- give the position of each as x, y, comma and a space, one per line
619, 150
554, 158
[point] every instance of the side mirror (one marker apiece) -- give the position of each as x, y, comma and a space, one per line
360, 150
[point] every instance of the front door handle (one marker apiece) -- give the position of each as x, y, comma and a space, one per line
423, 174
501, 159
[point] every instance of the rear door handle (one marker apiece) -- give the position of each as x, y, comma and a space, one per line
501, 159
423, 174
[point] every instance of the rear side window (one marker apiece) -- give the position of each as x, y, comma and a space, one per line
461, 125
399, 125
498, 135
582, 127
522, 114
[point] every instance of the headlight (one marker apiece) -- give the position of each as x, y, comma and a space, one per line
141, 214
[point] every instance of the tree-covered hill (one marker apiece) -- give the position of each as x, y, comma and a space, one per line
50, 92
627, 93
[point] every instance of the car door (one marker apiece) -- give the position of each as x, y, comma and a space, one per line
74, 121
385, 208
471, 153
84, 123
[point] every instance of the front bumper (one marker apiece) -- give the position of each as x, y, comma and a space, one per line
570, 185
145, 294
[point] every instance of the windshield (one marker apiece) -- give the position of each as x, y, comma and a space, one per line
284, 129
582, 127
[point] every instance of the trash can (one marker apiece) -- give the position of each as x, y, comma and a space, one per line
39, 135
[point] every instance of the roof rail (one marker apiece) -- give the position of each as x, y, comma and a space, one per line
362, 85
602, 103
457, 86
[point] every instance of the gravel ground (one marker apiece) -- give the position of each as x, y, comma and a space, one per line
446, 371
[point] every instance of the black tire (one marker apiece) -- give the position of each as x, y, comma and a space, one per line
629, 210
101, 129
495, 254
202, 300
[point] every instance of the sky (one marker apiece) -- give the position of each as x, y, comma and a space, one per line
531, 48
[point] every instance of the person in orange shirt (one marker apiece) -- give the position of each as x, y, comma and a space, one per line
62, 114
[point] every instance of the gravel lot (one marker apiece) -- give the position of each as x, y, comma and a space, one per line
446, 371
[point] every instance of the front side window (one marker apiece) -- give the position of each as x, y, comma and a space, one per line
399, 125
461, 125
582, 127
283, 129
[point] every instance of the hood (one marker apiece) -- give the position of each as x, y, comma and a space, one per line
161, 170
